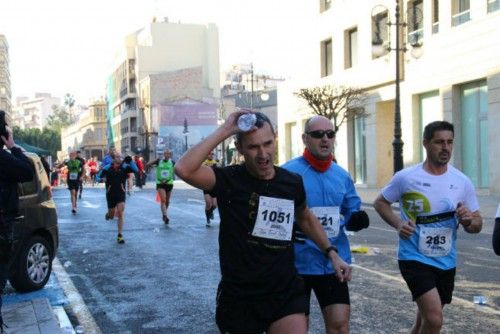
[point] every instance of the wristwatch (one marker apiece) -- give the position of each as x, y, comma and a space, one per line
329, 249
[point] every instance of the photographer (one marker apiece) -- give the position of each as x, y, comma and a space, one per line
14, 167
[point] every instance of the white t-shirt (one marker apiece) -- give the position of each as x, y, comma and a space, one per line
422, 194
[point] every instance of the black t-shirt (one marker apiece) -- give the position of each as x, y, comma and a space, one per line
254, 267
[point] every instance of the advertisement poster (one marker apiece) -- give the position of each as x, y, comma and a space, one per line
184, 124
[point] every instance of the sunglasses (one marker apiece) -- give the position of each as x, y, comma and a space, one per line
318, 134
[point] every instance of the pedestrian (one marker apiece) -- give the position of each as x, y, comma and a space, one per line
80, 180
164, 181
115, 176
108, 158
54, 177
15, 167
92, 164
332, 197
130, 178
260, 290
210, 200
496, 233
139, 175
74, 176
435, 199
45, 164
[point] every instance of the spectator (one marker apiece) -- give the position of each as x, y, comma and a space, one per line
15, 167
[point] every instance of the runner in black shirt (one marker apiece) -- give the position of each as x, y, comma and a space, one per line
115, 175
258, 203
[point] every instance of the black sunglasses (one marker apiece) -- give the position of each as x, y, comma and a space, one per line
318, 134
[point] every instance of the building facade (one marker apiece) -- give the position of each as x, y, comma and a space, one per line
88, 134
456, 78
33, 113
160, 47
5, 88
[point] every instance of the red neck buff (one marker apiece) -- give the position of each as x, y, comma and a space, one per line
319, 165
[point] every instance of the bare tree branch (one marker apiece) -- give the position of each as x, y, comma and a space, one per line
338, 103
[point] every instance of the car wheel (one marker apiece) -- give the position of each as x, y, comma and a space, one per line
31, 270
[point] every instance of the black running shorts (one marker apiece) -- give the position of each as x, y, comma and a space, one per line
73, 184
114, 198
421, 278
328, 290
165, 186
237, 315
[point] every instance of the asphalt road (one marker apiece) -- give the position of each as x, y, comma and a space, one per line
163, 279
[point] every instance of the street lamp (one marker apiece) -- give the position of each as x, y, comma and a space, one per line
379, 49
185, 132
147, 130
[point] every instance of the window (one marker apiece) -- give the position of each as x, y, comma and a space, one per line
430, 111
133, 124
380, 29
359, 150
30, 187
415, 21
474, 139
326, 58
435, 16
351, 48
460, 10
324, 5
493, 5
133, 143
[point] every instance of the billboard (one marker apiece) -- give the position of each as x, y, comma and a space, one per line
183, 124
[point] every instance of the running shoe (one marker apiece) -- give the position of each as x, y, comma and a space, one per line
73, 211
166, 220
119, 239
208, 223
80, 196
106, 216
211, 213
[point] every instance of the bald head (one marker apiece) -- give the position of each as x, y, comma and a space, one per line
317, 121
319, 137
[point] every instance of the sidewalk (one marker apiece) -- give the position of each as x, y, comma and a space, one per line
31, 317
36, 312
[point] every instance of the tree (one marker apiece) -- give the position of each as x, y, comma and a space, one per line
337, 103
69, 101
48, 139
59, 118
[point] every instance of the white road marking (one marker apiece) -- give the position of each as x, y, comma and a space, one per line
87, 204
383, 229
195, 200
76, 302
484, 308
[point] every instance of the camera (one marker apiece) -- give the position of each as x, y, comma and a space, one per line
3, 129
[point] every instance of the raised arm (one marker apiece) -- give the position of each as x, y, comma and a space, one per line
190, 166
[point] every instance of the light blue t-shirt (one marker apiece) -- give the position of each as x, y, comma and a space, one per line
430, 201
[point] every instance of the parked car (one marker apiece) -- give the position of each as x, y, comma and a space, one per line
36, 235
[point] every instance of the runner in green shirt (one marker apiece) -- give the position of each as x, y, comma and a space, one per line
164, 180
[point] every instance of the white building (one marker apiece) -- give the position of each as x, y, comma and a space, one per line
457, 78
33, 113
160, 47
5, 89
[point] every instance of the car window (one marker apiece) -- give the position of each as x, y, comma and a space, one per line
29, 188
